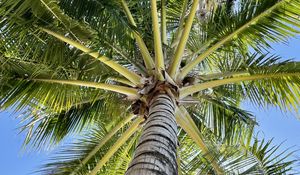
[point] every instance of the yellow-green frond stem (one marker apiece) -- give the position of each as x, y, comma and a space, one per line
121, 80
133, 77
149, 63
57, 15
185, 121
185, 91
159, 59
125, 136
181, 22
163, 22
104, 140
183, 40
130, 92
223, 75
178, 161
191, 65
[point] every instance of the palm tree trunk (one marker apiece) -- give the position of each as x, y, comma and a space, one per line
156, 151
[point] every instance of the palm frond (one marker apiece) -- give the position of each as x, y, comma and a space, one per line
133, 77
45, 128
246, 156
254, 24
119, 163
70, 157
261, 157
183, 40
269, 82
51, 15
186, 122
148, 61
222, 117
16, 75
159, 58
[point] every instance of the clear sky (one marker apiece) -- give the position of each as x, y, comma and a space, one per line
13, 161
273, 124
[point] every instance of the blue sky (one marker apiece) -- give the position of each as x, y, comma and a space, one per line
273, 124
14, 161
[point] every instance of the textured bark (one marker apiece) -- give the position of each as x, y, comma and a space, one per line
156, 151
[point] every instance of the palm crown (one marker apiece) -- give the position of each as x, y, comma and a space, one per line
96, 67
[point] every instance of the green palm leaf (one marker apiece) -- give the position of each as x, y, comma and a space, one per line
255, 23
271, 82
46, 128
79, 150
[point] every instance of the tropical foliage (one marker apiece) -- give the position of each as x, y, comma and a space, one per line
89, 69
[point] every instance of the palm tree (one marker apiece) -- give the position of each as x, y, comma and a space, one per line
152, 87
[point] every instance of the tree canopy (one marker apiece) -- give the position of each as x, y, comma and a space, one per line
88, 68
